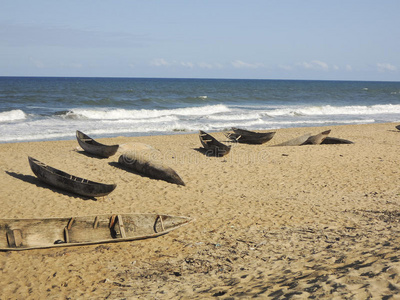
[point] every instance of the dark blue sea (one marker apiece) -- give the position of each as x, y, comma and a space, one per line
52, 108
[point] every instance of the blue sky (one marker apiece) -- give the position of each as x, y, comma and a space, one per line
308, 39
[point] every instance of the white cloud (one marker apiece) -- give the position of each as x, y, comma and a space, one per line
383, 67
241, 64
159, 62
349, 68
314, 65
187, 64
321, 64
204, 65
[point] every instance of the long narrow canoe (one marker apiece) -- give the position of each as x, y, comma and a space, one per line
23, 234
307, 139
317, 139
212, 146
68, 182
333, 140
296, 141
150, 168
250, 137
91, 146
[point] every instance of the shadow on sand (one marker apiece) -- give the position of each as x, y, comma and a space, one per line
33, 180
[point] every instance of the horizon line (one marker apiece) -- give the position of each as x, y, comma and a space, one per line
189, 78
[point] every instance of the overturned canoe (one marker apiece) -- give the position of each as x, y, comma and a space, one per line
212, 146
296, 141
333, 140
68, 182
23, 234
151, 168
398, 127
250, 137
317, 139
91, 146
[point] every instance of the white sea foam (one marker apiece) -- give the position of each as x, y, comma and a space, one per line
232, 117
114, 114
336, 110
111, 122
12, 115
144, 120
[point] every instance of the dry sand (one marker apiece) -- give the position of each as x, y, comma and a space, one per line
318, 221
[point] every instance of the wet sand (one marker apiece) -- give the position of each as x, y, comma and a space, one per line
294, 222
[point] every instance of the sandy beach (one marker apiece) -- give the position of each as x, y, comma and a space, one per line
300, 222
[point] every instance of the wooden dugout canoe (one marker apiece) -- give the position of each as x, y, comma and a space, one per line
68, 182
317, 139
250, 137
23, 234
150, 168
91, 146
333, 140
212, 145
307, 139
296, 141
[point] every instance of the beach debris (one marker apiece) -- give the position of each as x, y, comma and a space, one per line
155, 169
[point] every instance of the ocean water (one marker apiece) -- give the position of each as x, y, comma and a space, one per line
52, 108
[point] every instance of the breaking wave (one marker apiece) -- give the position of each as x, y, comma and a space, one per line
117, 114
12, 115
336, 110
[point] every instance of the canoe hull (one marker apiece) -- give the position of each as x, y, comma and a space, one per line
250, 137
152, 169
296, 141
24, 234
68, 182
317, 139
212, 146
93, 147
333, 140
